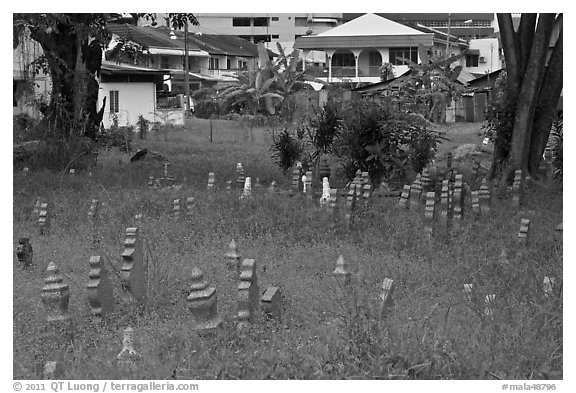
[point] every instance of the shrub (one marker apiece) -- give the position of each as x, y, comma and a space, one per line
143, 126
60, 154
287, 150
116, 136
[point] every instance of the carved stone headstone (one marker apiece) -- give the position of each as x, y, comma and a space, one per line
296, 179
24, 252
247, 192
211, 181
343, 270
151, 182
233, 257
357, 185
517, 189
202, 302
449, 161
248, 294
100, 290
127, 358
240, 178
404, 197
37, 205
426, 181
271, 301
523, 233
134, 272
484, 197
308, 184
475, 202
386, 295
272, 187
469, 292
177, 207
350, 207
457, 199
332, 200
416, 192
189, 205
325, 192
55, 296
44, 219
443, 220
429, 214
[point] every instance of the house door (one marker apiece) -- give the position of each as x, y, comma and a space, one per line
480, 106
468, 108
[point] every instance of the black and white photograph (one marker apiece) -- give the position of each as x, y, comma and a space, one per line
218, 195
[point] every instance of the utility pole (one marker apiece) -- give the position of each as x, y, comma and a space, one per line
186, 76
448, 38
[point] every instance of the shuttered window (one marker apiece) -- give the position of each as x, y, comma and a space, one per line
114, 103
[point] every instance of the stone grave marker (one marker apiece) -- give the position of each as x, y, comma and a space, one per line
457, 199
189, 205
166, 166
475, 202
25, 171
202, 302
248, 294
127, 358
134, 272
240, 178
151, 182
484, 196
44, 219
24, 252
350, 207
403, 203
296, 179
426, 180
211, 181
332, 200
475, 171
443, 220
177, 207
356, 185
469, 293
386, 295
100, 289
343, 271
325, 192
72, 171
54, 369
271, 301
247, 192
272, 187
304, 184
308, 185
233, 257
449, 161
429, 214
517, 189
416, 192
93, 211
548, 286
55, 296
490, 304
228, 186
37, 205
523, 233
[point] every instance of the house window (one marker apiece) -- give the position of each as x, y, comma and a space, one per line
274, 19
396, 55
300, 22
343, 60
260, 21
214, 63
242, 65
374, 59
228, 64
114, 106
472, 60
275, 36
240, 21
261, 38
164, 62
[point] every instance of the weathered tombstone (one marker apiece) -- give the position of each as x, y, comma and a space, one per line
469, 292
202, 302
177, 207
304, 184
484, 197
357, 185
248, 294
247, 192
325, 192
366, 187
151, 182
475, 202
44, 219
127, 358
443, 221
457, 199
297, 178
523, 233
449, 161
489, 302
37, 205
343, 271
426, 181
350, 207
517, 189
475, 172
189, 205
309, 184
548, 286
322, 98
416, 192
55, 296
100, 290
404, 197
24, 252
134, 272
332, 200
166, 166
272, 187
386, 295
257, 184
429, 214
271, 301
233, 257
211, 181
228, 186
72, 171
93, 211
240, 178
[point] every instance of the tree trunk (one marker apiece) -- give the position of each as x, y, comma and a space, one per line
546, 108
528, 96
511, 52
525, 38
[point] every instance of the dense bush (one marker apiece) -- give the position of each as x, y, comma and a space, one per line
287, 149
116, 136
500, 117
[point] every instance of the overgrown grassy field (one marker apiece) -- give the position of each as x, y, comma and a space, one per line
327, 331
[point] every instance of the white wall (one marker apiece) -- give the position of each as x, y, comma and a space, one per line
488, 48
134, 99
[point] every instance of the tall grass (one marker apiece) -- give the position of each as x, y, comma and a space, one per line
327, 330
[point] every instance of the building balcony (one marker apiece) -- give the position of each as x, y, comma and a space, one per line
350, 71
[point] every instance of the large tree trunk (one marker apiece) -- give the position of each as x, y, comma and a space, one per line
528, 96
546, 111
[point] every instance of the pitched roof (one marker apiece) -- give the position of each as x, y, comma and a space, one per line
370, 25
